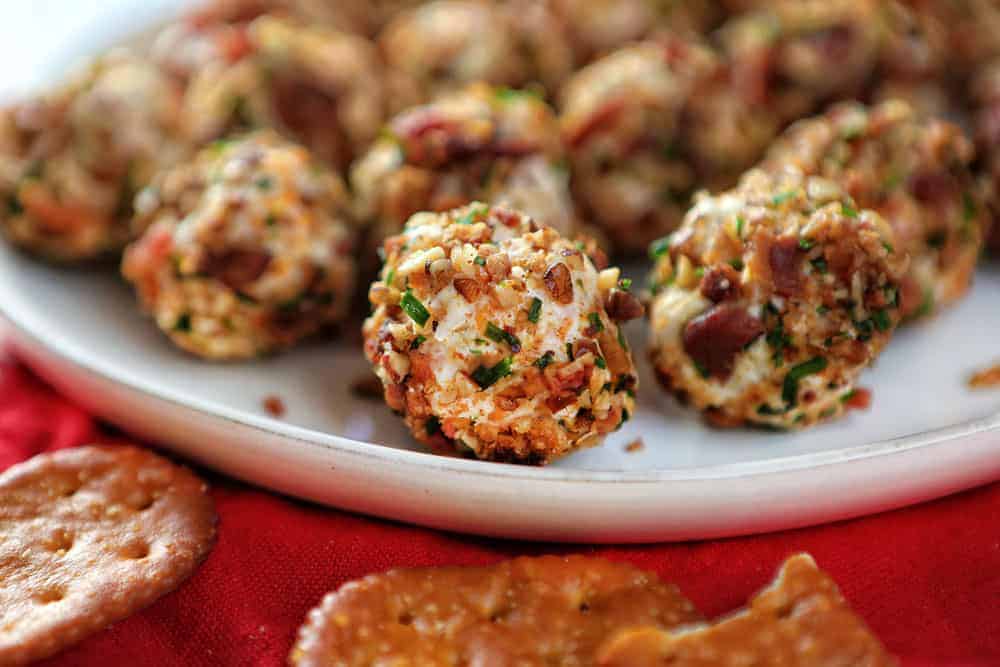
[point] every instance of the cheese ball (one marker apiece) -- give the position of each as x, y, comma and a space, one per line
984, 100
795, 55
445, 45
482, 143
621, 124
916, 174
498, 338
771, 299
317, 86
71, 160
246, 250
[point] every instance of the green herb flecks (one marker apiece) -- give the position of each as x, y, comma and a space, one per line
848, 210
183, 323
782, 197
595, 322
480, 261
600, 362
740, 223
820, 265
625, 284
736, 264
487, 376
882, 320
473, 215
701, 368
413, 308
790, 387
535, 311
498, 335
544, 360
806, 244
418, 341
659, 247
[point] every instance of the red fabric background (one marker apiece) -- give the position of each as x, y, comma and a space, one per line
926, 578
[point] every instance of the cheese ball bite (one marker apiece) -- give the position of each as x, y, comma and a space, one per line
620, 121
445, 45
771, 299
71, 160
498, 338
246, 250
795, 55
969, 30
315, 85
916, 174
482, 143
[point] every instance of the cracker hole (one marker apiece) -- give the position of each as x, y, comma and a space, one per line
406, 618
50, 595
70, 491
136, 550
145, 504
584, 607
60, 541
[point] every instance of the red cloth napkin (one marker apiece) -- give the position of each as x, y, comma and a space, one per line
926, 578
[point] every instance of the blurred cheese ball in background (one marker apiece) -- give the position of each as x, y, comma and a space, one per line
914, 172
315, 85
444, 45
794, 55
481, 143
244, 251
620, 119
72, 159
771, 299
984, 97
499, 338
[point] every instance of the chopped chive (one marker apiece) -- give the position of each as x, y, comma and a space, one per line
740, 222
479, 261
183, 323
659, 247
700, 272
263, 182
535, 311
968, 207
820, 265
621, 338
271, 220
595, 322
544, 360
569, 351
848, 396
888, 247
411, 306
701, 368
768, 411
829, 412
432, 425
882, 320
736, 264
487, 376
848, 210
418, 341
471, 216
782, 197
600, 363
389, 277
498, 335
625, 284
790, 387
806, 244
822, 310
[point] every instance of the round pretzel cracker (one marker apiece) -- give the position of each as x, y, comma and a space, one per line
523, 611
88, 536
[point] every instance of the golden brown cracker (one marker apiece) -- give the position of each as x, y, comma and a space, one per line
88, 536
801, 620
549, 610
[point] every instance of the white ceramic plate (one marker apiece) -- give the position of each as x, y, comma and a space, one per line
926, 435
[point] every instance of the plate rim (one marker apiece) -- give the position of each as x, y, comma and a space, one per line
19, 316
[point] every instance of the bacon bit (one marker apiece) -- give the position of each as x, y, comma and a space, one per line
785, 258
469, 289
720, 283
986, 378
636, 445
622, 306
368, 386
274, 406
597, 256
559, 283
236, 268
933, 187
714, 338
55, 216
860, 399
